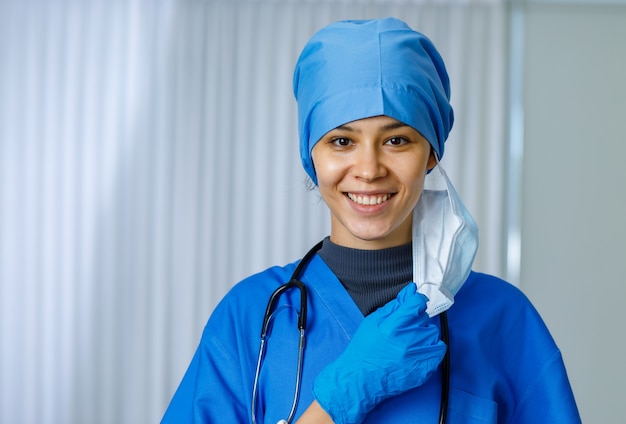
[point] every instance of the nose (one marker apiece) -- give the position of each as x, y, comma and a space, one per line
368, 163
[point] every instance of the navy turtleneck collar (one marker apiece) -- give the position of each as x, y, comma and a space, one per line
371, 277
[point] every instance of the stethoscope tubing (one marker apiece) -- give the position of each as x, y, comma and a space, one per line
294, 282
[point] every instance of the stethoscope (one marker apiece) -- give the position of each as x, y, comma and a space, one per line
294, 282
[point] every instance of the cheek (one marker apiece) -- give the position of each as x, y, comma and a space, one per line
326, 169
417, 186
414, 179
327, 178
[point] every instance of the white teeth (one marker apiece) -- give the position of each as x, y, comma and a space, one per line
368, 200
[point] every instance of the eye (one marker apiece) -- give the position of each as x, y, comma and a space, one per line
341, 141
397, 141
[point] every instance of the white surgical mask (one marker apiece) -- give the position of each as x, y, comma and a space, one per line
445, 241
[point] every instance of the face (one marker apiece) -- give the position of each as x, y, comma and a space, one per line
371, 173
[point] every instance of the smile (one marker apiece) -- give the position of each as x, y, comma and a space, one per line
366, 200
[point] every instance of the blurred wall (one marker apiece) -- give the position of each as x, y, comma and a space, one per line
149, 160
574, 199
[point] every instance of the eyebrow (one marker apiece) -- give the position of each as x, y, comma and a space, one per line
387, 127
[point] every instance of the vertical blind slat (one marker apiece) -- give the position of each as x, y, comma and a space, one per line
149, 160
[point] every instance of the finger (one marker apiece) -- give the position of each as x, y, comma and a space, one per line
415, 301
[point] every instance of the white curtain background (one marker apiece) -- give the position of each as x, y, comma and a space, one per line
148, 161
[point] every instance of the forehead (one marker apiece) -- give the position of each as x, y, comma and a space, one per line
379, 123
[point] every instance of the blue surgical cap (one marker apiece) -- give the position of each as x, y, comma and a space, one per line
352, 70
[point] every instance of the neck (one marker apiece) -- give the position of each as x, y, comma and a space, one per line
371, 277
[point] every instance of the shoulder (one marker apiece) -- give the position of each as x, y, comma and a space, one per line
479, 284
268, 279
490, 310
492, 295
253, 292
235, 323
495, 310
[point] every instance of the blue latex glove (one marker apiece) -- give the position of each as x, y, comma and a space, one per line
394, 350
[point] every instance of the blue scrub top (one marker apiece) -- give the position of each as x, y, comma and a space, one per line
505, 366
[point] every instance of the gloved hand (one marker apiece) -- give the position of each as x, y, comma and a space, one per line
394, 350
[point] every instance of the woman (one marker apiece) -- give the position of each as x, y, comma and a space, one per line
374, 113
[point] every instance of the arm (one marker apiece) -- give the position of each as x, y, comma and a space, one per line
315, 414
549, 398
209, 389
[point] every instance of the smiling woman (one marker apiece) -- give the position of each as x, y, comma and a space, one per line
374, 113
